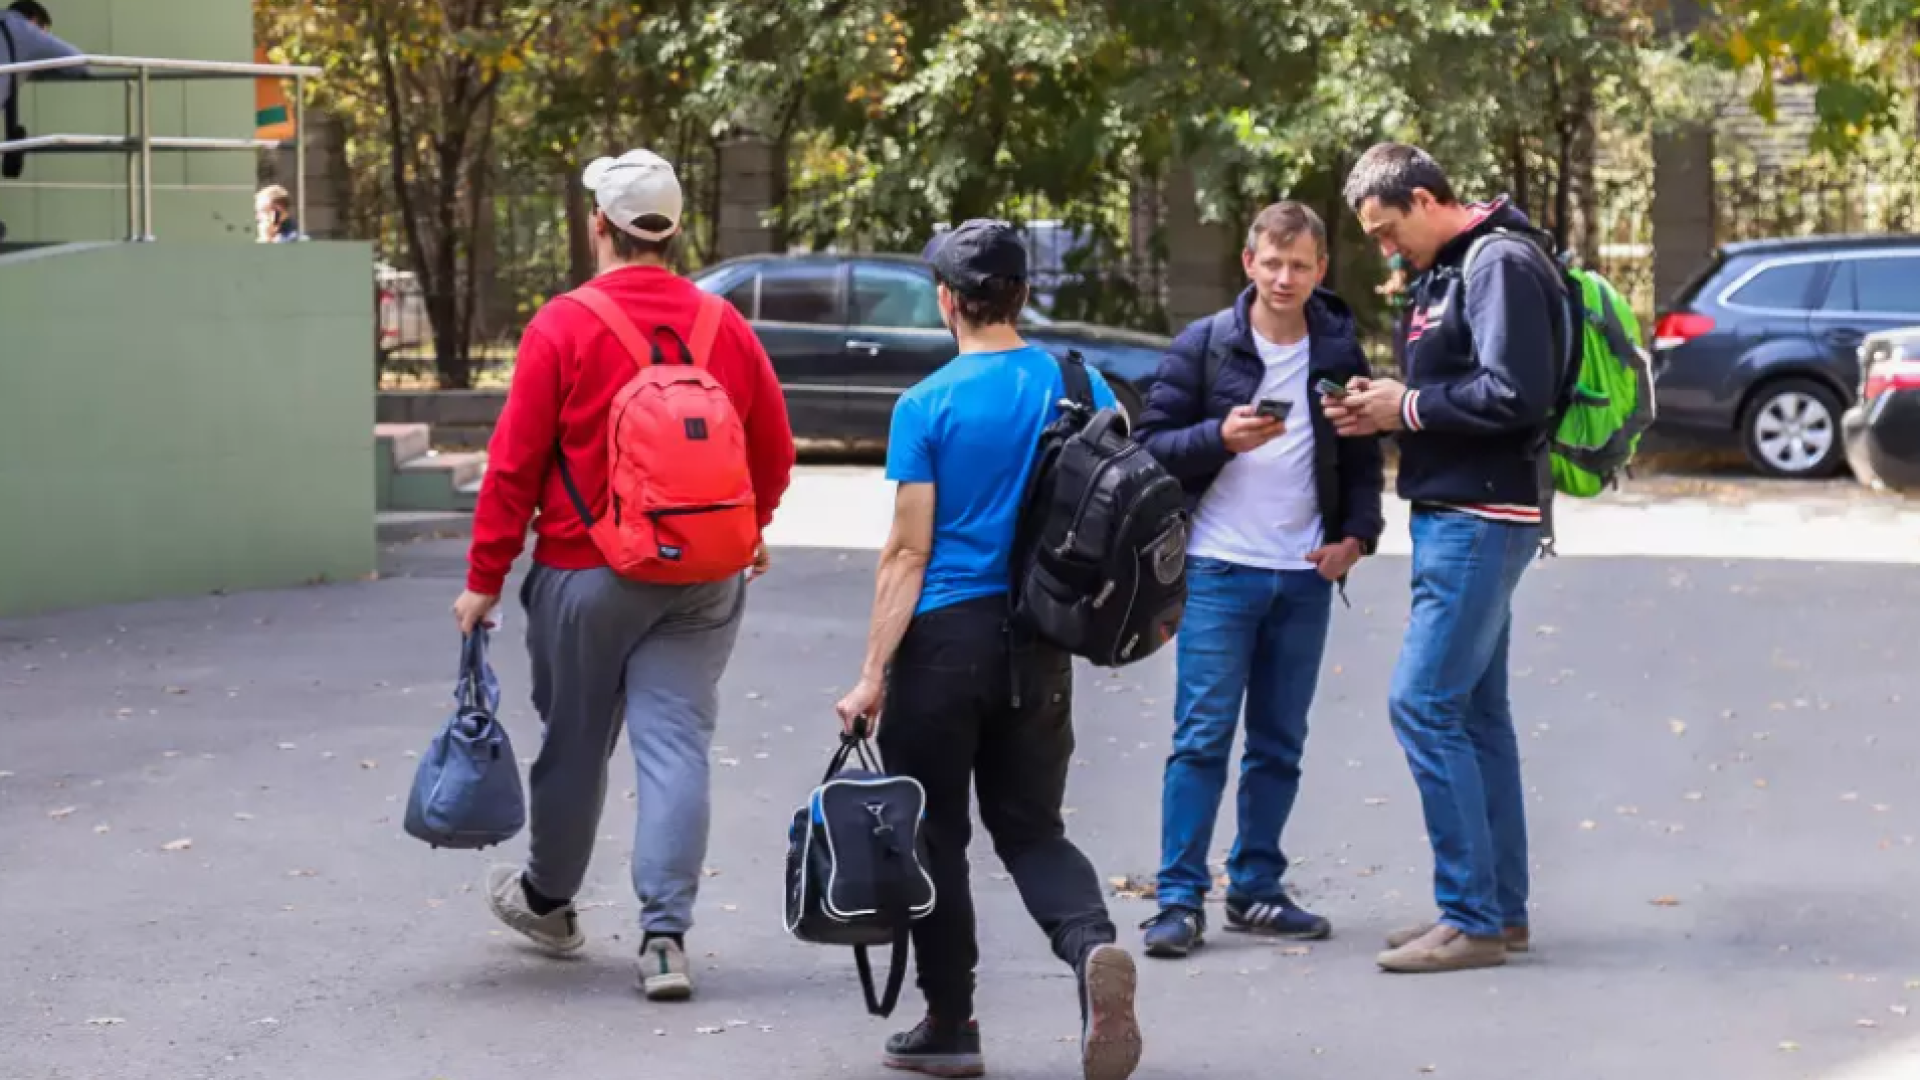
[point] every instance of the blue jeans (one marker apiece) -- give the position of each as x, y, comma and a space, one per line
1451, 713
1257, 634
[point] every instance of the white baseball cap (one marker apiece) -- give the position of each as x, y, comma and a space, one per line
632, 186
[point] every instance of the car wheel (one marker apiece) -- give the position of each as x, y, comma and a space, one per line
1128, 399
1791, 428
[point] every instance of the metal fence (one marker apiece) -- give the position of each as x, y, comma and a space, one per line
1103, 275
1752, 204
522, 255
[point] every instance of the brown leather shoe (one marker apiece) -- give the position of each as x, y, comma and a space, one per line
1518, 938
1444, 948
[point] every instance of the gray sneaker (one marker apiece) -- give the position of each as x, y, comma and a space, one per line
558, 931
664, 973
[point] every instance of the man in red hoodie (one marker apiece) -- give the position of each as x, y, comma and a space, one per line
599, 641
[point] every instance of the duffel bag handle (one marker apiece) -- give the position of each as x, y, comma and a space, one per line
852, 743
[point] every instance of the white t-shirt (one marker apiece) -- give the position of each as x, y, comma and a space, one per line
1263, 510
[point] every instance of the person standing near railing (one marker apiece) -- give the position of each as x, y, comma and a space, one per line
26, 35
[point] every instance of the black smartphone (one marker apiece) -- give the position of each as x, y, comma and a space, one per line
1329, 388
1273, 408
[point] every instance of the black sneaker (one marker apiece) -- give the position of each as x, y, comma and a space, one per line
936, 1049
1280, 917
1175, 931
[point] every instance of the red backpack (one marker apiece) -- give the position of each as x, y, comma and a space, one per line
680, 499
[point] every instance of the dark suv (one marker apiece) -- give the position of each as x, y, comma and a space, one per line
1761, 347
848, 333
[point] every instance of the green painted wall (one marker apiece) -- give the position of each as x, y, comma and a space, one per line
197, 196
181, 417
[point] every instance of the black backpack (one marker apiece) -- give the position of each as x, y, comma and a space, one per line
856, 865
1100, 557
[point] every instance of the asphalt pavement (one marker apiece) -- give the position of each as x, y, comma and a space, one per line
204, 874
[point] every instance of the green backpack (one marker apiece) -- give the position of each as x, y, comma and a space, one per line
1608, 403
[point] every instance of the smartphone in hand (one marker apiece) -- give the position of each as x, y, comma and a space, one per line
1273, 409
1329, 388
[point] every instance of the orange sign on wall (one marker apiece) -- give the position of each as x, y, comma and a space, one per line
272, 111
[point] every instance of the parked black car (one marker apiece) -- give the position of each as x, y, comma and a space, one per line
1761, 348
848, 333
1883, 430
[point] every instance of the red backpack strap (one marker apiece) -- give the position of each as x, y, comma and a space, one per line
705, 326
616, 320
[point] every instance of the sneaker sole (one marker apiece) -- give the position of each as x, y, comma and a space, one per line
1112, 1045
1319, 933
1166, 952
667, 987
951, 1065
1441, 967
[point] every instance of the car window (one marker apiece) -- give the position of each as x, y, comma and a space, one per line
800, 293
1887, 286
894, 296
1841, 294
1780, 288
741, 294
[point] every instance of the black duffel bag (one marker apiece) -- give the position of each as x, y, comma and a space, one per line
856, 865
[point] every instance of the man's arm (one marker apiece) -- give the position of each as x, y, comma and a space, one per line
1173, 425
518, 457
902, 573
770, 447
1515, 348
34, 43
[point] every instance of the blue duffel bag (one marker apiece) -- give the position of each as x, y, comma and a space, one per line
467, 792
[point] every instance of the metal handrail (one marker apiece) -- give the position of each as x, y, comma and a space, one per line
140, 142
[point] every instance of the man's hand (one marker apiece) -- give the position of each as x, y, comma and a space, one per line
1244, 430
1370, 407
863, 700
760, 560
1334, 560
472, 609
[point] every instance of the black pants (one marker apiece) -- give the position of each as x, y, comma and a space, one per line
951, 719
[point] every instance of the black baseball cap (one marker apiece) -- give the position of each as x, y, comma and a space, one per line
976, 250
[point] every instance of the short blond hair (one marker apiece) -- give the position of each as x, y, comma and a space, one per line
276, 195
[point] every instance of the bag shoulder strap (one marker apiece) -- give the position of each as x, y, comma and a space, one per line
1219, 335
609, 313
706, 326
1073, 369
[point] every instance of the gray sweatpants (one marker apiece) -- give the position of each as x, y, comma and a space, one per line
605, 650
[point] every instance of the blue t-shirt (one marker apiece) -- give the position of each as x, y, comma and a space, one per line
972, 429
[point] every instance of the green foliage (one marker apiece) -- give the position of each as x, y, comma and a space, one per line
1851, 50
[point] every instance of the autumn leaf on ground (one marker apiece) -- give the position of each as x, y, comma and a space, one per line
62, 812
1589, 825
1296, 950
106, 1021
302, 873
369, 763
176, 690
1866, 1023
1375, 801
181, 844
1789, 1047
1678, 727
1134, 888
1665, 901
709, 1030
1897, 1010
1694, 796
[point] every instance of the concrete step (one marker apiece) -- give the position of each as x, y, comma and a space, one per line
402, 443
437, 481
403, 526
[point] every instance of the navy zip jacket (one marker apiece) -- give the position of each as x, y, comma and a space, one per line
1180, 425
1482, 373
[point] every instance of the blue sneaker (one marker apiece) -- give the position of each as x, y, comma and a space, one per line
1279, 917
1175, 931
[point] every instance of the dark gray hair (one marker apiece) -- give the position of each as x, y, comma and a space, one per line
1390, 172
